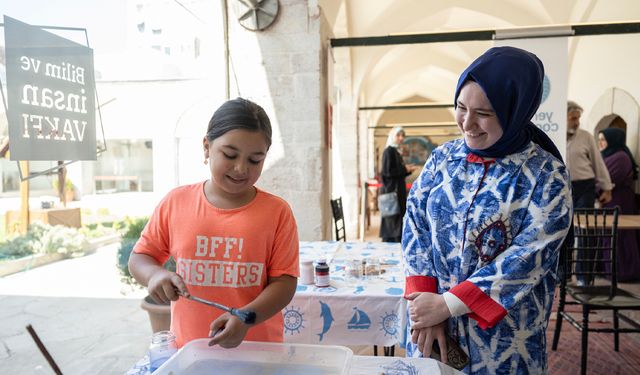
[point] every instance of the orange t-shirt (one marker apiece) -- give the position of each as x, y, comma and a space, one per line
223, 255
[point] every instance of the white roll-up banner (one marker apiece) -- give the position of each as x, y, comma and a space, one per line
552, 114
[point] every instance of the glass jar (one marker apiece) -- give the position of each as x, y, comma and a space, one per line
306, 272
163, 346
353, 269
322, 273
372, 268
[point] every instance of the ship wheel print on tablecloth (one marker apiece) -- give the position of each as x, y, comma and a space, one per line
293, 320
492, 238
390, 324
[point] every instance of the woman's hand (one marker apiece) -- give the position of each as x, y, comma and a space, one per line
427, 309
227, 331
165, 286
424, 338
411, 167
605, 197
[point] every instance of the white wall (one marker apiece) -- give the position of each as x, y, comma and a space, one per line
600, 63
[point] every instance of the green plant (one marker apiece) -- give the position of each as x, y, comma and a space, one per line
103, 211
17, 247
131, 229
68, 185
124, 252
96, 230
61, 239
42, 239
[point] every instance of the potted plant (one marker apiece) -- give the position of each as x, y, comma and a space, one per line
68, 190
159, 314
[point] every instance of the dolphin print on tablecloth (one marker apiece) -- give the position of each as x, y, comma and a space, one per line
325, 313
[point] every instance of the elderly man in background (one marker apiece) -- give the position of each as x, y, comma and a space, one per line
586, 167
589, 175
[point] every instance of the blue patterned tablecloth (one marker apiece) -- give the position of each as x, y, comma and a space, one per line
368, 310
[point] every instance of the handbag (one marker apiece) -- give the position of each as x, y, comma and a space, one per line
388, 204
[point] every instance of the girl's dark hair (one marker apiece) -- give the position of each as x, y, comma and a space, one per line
239, 113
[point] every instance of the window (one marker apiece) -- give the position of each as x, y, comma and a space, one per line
10, 178
127, 165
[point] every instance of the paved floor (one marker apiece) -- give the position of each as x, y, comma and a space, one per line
89, 321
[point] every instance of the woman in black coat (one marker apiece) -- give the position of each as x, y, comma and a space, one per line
393, 173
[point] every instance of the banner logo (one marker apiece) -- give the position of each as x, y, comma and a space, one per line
546, 88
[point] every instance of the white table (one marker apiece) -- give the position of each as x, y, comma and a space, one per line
365, 311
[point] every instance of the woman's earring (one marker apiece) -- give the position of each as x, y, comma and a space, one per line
206, 161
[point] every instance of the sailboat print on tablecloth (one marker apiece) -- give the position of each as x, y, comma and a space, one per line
359, 320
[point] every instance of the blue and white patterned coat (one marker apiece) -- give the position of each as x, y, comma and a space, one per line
492, 238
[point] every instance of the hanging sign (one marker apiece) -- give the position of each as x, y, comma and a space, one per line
50, 95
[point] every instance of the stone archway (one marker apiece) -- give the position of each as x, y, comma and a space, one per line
617, 102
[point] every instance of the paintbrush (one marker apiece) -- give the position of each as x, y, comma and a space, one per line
247, 316
44, 350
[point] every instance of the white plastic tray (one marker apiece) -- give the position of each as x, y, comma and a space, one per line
258, 358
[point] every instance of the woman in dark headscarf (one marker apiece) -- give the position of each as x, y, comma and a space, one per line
623, 171
485, 221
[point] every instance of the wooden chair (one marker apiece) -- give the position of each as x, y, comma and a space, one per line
593, 254
338, 219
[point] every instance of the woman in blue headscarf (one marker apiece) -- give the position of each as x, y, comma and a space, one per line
624, 172
485, 221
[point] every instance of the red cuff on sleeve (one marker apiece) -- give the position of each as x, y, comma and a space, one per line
484, 310
420, 284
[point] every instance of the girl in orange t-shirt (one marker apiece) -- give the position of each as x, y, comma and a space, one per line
232, 243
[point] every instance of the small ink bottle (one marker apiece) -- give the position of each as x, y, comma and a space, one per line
163, 346
322, 273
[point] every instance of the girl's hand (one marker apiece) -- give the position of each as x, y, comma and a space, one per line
424, 338
427, 309
227, 331
165, 286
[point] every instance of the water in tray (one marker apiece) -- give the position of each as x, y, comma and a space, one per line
212, 367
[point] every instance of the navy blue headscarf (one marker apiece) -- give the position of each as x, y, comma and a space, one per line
616, 142
512, 80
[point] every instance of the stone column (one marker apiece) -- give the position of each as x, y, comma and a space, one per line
347, 176
283, 68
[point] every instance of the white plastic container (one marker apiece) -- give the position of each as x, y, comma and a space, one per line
258, 358
307, 272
